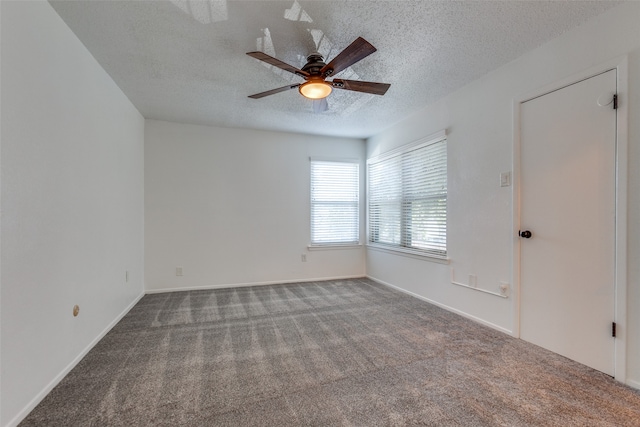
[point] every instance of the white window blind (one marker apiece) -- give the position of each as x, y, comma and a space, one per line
334, 203
407, 199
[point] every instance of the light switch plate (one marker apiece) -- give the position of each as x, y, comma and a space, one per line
505, 179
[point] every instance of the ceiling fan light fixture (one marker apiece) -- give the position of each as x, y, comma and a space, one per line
315, 89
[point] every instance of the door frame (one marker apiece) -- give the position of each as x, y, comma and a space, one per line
619, 64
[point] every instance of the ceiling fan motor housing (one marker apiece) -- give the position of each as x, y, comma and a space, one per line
314, 64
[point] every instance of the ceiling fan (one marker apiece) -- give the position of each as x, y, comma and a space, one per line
315, 72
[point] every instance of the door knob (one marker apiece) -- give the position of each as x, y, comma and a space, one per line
525, 234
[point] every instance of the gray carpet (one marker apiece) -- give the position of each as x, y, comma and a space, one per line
344, 353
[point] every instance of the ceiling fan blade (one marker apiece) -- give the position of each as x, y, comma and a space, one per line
273, 91
277, 63
356, 51
360, 86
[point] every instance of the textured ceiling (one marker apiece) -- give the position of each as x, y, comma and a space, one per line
184, 60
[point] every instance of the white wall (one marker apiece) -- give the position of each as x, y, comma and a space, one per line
72, 203
72, 190
231, 207
479, 118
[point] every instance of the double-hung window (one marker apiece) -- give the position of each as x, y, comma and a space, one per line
407, 198
335, 190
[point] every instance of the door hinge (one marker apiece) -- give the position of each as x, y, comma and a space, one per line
613, 329
615, 101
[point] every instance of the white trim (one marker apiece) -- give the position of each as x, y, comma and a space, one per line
427, 140
56, 380
619, 64
408, 253
446, 307
622, 144
248, 284
515, 222
572, 79
334, 159
634, 384
330, 246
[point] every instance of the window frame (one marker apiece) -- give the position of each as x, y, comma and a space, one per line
399, 248
336, 245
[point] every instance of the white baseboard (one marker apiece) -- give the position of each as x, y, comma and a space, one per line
446, 307
632, 383
47, 389
244, 285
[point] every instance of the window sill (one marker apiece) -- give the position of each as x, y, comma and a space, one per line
409, 253
333, 246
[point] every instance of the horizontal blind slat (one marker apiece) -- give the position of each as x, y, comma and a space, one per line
335, 192
407, 199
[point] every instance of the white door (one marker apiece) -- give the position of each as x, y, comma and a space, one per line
567, 197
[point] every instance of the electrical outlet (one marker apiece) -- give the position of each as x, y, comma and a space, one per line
303, 257
504, 289
178, 271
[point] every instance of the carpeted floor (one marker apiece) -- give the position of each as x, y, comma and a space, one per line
349, 352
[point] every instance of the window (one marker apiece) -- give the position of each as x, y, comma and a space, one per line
407, 198
335, 189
